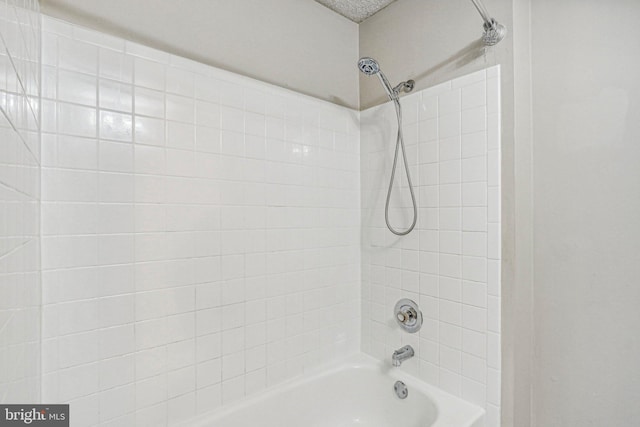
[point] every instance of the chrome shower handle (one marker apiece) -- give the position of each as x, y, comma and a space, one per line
408, 315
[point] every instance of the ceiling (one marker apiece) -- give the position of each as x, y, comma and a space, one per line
356, 10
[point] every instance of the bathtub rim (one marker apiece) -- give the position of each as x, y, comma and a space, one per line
450, 407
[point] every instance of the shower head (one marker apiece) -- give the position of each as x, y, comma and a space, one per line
493, 32
370, 66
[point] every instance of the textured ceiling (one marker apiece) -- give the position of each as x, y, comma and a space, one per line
356, 10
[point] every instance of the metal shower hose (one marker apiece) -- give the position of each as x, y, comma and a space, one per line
400, 143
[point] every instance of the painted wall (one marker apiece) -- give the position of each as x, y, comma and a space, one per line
295, 44
200, 232
450, 263
586, 116
20, 289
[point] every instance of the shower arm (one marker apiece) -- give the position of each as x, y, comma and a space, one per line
489, 22
482, 11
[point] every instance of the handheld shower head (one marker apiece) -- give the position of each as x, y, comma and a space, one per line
370, 66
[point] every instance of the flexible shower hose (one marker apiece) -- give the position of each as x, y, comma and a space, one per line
400, 144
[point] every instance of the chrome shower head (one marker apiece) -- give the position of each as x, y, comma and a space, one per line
370, 66
493, 33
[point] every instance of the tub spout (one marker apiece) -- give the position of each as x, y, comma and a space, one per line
401, 355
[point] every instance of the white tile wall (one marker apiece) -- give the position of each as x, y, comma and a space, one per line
19, 202
450, 264
200, 232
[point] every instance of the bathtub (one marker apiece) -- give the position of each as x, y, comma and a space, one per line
358, 392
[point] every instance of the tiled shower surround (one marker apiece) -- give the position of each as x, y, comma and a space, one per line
450, 263
205, 235
19, 202
200, 232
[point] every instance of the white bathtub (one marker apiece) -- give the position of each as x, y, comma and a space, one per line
358, 392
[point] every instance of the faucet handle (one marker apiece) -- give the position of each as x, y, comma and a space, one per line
408, 315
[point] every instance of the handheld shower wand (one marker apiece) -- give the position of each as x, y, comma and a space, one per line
369, 66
